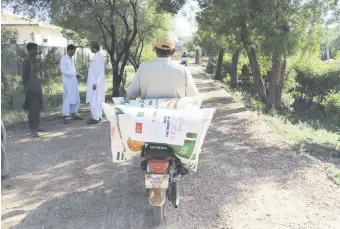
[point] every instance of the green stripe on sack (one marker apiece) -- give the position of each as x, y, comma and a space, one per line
191, 135
118, 156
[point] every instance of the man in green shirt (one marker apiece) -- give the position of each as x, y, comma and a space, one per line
32, 87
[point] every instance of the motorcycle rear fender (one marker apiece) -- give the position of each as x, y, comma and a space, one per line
157, 196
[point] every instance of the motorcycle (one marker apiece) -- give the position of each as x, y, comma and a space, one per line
164, 171
184, 61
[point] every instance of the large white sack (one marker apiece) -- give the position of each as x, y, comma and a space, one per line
117, 147
168, 104
183, 130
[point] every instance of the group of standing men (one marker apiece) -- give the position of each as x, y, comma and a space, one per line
95, 94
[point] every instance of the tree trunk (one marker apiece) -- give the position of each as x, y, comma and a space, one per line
208, 68
274, 77
116, 81
280, 84
234, 62
256, 72
198, 56
219, 65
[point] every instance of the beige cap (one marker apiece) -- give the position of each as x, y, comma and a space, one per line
165, 42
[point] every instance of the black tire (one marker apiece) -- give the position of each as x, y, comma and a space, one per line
144, 165
175, 194
158, 214
168, 194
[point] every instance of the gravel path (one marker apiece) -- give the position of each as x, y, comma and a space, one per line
247, 178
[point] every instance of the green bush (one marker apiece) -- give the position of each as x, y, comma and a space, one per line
308, 78
287, 100
290, 84
256, 105
192, 54
331, 105
226, 68
12, 92
317, 83
48, 66
337, 55
227, 79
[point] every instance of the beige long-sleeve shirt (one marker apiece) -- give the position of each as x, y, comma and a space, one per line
161, 79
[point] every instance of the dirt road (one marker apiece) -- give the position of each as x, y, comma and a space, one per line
247, 178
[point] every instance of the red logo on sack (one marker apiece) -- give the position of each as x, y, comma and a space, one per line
139, 127
113, 129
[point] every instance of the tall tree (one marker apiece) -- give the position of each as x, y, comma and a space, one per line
234, 63
113, 23
271, 28
208, 43
170, 6
211, 38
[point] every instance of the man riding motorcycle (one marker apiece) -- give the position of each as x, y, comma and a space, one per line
184, 59
162, 78
184, 55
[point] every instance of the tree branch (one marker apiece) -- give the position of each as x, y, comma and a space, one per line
98, 15
124, 18
133, 62
104, 35
126, 41
140, 53
139, 42
135, 21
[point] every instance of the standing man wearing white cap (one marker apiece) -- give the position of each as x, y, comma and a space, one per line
162, 78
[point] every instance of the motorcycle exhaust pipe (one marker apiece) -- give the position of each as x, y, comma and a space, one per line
175, 193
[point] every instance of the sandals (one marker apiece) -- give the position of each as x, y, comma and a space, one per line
92, 121
34, 134
73, 116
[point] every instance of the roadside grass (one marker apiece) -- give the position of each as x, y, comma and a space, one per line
320, 143
304, 137
334, 174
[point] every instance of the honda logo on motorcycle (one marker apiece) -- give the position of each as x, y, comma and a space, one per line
158, 147
139, 128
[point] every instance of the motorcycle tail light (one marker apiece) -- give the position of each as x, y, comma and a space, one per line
158, 166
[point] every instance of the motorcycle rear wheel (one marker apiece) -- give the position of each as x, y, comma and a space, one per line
158, 212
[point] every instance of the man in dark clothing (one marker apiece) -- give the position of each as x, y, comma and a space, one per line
33, 91
184, 55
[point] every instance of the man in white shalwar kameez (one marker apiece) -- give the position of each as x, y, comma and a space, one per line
71, 97
95, 94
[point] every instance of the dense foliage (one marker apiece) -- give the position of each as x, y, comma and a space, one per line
274, 49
